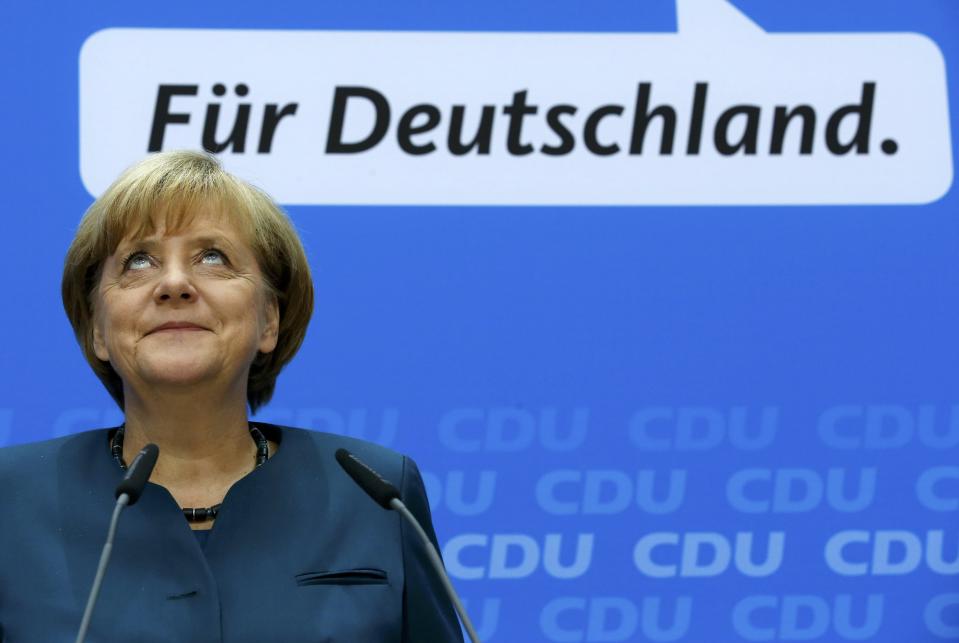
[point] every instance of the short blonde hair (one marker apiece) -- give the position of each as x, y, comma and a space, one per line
169, 188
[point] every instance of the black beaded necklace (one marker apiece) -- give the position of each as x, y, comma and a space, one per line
197, 514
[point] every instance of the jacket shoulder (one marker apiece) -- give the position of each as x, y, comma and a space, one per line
390, 464
32, 458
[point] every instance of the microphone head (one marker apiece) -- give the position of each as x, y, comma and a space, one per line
381, 491
138, 473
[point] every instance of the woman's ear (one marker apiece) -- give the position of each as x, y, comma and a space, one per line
99, 346
271, 324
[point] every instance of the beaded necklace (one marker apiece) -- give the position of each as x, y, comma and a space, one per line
197, 514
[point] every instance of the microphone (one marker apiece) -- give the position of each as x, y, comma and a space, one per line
137, 474
381, 491
127, 493
388, 497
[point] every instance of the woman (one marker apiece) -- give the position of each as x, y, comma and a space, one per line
189, 291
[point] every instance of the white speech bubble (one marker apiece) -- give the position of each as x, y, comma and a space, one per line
862, 118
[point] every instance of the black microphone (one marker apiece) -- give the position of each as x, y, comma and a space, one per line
127, 493
381, 491
387, 496
138, 473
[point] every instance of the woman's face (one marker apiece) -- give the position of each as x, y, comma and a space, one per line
185, 308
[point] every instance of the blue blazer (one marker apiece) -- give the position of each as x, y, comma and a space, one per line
298, 552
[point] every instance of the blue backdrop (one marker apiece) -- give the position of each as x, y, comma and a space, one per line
636, 423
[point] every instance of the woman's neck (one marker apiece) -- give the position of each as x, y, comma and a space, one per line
202, 444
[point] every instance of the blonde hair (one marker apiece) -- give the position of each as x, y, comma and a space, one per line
169, 189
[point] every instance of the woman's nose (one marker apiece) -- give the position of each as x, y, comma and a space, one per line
175, 285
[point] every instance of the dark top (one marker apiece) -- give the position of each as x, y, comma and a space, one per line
298, 554
202, 536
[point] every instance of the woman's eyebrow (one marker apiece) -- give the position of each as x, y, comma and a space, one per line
144, 243
212, 240
152, 242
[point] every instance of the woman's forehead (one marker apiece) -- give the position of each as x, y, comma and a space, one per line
196, 220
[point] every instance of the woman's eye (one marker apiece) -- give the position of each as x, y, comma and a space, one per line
137, 261
213, 258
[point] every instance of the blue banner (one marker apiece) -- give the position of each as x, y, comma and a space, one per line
661, 297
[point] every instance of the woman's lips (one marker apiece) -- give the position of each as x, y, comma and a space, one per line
176, 326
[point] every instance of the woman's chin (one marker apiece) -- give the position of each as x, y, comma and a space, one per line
177, 373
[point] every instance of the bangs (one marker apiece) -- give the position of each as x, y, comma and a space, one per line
144, 201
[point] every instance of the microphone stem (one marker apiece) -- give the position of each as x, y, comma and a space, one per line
122, 502
437, 563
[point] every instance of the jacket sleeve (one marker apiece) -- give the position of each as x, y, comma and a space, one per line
428, 615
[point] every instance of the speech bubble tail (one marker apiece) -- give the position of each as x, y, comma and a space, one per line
710, 17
